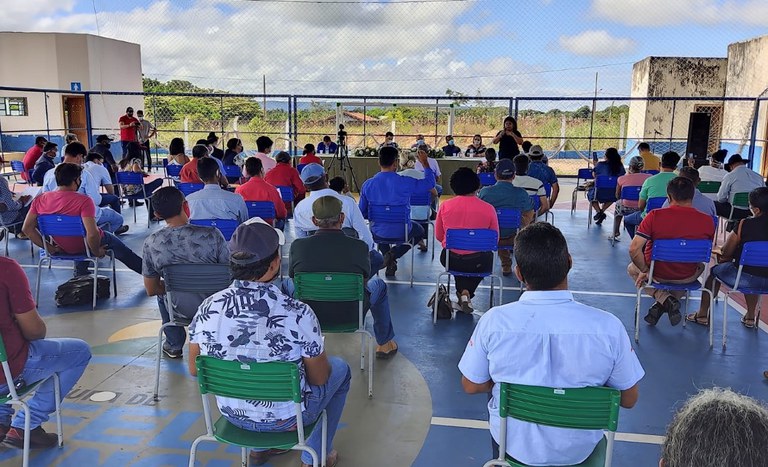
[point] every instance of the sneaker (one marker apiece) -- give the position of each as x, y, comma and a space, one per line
123, 229
421, 246
390, 263
38, 438
654, 313
596, 216
615, 238
466, 303
672, 308
262, 457
172, 353
387, 350
506, 271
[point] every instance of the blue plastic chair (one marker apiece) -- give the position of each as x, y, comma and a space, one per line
134, 178
18, 169
55, 225
233, 171
509, 219
654, 203
752, 254
652, 172
581, 175
548, 192
286, 194
227, 227
487, 178
6, 228
173, 171
262, 209
628, 193
386, 214
678, 250
605, 192
300, 167
189, 188
474, 240
424, 199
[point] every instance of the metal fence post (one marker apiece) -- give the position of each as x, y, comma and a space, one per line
295, 135
88, 122
672, 128
591, 127
47, 120
753, 136
221, 106
154, 124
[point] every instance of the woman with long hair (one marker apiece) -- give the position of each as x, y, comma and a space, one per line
508, 139
612, 166
176, 154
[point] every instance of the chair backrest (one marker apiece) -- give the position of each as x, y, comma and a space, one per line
754, 254
421, 199
630, 193
509, 218
300, 167
652, 172
605, 188
269, 381
7, 369
173, 170
397, 214
740, 200
681, 250
232, 171
590, 408
584, 174
56, 225
472, 239
548, 189
487, 178
709, 187
17, 166
201, 278
189, 188
286, 193
129, 178
263, 209
655, 203
165, 162
536, 203
227, 227
336, 288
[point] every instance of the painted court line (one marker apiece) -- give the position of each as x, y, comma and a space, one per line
483, 425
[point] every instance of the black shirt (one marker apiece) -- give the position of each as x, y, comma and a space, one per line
508, 146
753, 229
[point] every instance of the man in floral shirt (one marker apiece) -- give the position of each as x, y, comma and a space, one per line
253, 321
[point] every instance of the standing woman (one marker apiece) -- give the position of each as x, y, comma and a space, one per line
508, 139
476, 149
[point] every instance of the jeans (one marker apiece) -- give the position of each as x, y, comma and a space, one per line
122, 253
175, 336
66, 357
377, 261
379, 307
330, 397
110, 200
416, 235
631, 221
726, 272
109, 220
124, 146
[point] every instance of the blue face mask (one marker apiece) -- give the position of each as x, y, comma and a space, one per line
419, 141
450, 142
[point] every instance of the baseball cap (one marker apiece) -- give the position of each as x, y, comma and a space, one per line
255, 238
326, 207
505, 168
311, 173
101, 138
536, 151
737, 159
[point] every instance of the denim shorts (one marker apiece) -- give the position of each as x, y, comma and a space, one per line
726, 272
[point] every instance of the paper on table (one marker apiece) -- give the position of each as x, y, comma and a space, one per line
31, 191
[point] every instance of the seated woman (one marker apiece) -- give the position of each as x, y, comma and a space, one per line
635, 177
176, 154
419, 214
232, 154
753, 229
476, 149
309, 156
466, 211
133, 164
489, 164
611, 166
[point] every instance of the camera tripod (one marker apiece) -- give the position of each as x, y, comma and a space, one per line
341, 157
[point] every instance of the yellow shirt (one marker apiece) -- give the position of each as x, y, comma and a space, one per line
650, 161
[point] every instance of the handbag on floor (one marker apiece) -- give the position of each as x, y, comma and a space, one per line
79, 290
444, 307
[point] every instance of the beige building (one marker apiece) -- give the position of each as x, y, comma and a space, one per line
59, 61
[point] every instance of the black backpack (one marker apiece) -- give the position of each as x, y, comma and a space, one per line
79, 290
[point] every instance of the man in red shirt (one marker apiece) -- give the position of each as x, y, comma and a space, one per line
189, 172
257, 189
309, 156
286, 175
32, 155
679, 220
31, 358
129, 126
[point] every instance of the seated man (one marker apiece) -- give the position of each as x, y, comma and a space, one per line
679, 220
293, 335
66, 200
532, 186
189, 173
389, 188
538, 169
32, 357
450, 149
284, 174
179, 242
33, 154
329, 250
12, 210
700, 202
505, 195
653, 187
103, 146
106, 218
44, 163
714, 172
741, 179
257, 189
212, 202
389, 141
567, 344
94, 165
315, 180
326, 146
650, 160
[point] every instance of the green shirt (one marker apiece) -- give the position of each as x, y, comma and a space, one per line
655, 187
504, 195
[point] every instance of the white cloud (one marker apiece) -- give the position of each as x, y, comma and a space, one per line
472, 32
596, 43
671, 12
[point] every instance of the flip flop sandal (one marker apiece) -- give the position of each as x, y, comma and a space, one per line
692, 318
748, 323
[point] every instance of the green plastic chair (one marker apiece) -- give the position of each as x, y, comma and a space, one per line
738, 201
592, 408
709, 187
339, 287
14, 398
269, 382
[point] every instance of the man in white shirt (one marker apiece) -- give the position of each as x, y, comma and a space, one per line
714, 172
435, 168
106, 218
561, 344
741, 179
94, 166
315, 179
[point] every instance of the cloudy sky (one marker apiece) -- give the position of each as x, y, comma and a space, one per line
414, 47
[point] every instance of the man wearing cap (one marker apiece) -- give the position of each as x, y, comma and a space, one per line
330, 250
129, 126
257, 189
103, 146
714, 172
538, 169
179, 242
44, 163
741, 179
32, 155
253, 320
387, 188
213, 202
284, 174
315, 179
505, 195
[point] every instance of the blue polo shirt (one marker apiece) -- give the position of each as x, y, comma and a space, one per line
389, 188
540, 170
505, 195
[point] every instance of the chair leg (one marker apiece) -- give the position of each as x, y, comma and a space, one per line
114, 275
157, 365
725, 319
244, 457
413, 248
95, 281
362, 350
193, 448
371, 358
324, 436
687, 301
37, 286
637, 315
57, 395
711, 317
27, 423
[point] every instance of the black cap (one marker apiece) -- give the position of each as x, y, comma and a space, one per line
737, 159
101, 138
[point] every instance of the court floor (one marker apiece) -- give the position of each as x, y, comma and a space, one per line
419, 415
